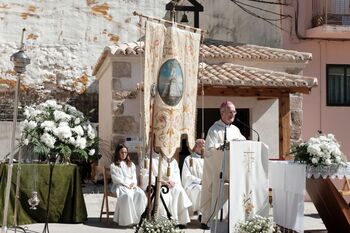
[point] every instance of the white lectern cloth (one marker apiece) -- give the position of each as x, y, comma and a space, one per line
287, 181
246, 169
248, 180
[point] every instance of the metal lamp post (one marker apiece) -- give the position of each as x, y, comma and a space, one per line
20, 60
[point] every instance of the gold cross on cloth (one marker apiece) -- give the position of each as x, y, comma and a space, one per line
249, 157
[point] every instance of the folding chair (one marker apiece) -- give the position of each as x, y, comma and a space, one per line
106, 193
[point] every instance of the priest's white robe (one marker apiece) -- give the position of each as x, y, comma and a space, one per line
192, 179
213, 141
131, 203
176, 199
216, 135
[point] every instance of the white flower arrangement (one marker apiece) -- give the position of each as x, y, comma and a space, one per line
323, 150
58, 129
157, 225
257, 224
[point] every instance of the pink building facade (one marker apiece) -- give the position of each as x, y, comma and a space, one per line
322, 27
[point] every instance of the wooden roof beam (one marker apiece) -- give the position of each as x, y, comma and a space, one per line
284, 118
245, 92
250, 91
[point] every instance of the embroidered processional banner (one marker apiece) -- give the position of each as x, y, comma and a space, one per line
171, 63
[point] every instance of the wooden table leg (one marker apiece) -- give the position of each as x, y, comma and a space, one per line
93, 166
330, 204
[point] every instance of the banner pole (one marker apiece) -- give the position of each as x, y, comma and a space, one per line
20, 61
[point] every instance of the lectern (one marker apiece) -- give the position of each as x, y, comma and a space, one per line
246, 172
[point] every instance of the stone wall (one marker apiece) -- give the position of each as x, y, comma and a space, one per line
64, 38
86, 102
123, 125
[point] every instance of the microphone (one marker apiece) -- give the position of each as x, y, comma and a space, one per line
225, 134
247, 126
225, 145
225, 137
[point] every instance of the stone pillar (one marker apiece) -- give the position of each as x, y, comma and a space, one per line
296, 107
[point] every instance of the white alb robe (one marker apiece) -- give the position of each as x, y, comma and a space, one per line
214, 139
131, 203
216, 135
176, 199
192, 179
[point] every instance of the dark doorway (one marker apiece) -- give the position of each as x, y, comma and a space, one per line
213, 114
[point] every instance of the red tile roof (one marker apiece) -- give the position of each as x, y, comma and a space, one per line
217, 49
221, 49
228, 74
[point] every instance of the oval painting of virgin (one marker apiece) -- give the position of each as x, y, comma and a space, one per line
170, 82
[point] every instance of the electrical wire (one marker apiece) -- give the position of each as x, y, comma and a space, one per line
238, 3
264, 10
258, 16
267, 2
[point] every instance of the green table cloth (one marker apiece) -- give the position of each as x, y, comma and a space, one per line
67, 203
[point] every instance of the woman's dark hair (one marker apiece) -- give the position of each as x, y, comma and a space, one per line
117, 158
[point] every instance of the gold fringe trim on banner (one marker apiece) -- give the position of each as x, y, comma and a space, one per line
145, 163
168, 169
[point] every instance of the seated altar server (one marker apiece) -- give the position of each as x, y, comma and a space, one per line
192, 172
132, 200
176, 199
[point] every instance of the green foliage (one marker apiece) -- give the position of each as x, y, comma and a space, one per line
300, 154
65, 150
39, 148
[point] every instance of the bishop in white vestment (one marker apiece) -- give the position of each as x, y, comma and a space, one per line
214, 141
176, 199
132, 200
192, 172
216, 134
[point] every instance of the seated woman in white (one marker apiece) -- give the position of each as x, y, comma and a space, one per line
176, 199
132, 200
192, 172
